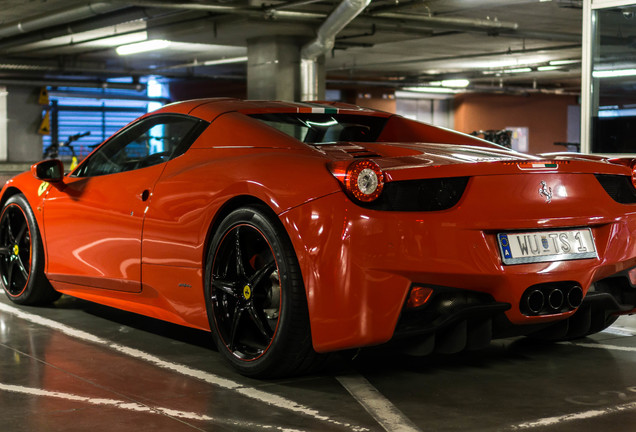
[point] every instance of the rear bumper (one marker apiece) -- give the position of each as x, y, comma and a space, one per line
458, 320
359, 265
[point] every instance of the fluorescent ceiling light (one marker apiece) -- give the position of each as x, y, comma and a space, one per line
225, 61
119, 40
518, 70
614, 73
430, 89
455, 83
509, 62
547, 68
150, 45
563, 62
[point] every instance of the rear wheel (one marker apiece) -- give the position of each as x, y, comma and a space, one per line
255, 296
22, 255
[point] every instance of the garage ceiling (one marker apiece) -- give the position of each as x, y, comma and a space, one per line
498, 45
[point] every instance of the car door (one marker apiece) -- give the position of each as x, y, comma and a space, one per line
94, 221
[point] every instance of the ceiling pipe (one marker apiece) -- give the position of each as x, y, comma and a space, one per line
425, 60
58, 17
196, 63
381, 17
250, 11
450, 23
289, 4
67, 29
72, 83
324, 42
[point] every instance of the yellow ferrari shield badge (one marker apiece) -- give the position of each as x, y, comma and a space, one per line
43, 187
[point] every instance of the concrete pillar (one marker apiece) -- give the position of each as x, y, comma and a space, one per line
3, 124
273, 69
24, 115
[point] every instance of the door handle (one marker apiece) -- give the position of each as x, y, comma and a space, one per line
145, 195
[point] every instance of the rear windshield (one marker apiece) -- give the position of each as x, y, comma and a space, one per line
326, 128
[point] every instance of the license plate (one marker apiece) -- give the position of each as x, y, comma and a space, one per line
546, 246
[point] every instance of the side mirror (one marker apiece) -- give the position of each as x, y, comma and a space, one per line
50, 170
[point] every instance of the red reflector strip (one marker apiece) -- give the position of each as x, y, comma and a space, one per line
419, 296
632, 276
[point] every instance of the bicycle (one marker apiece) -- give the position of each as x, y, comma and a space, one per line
53, 151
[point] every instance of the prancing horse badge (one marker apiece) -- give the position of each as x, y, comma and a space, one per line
545, 191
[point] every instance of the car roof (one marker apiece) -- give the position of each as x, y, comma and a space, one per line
210, 108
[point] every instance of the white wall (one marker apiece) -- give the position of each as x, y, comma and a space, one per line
438, 112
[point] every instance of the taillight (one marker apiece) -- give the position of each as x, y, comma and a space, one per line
628, 162
361, 179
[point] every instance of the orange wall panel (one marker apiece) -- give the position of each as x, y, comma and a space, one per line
382, 104
545, 116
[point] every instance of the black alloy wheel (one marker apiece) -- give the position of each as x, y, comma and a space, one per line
15, 250
246, 292
21, 255
255, 296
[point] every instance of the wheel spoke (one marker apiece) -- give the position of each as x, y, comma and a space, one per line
4, 228
238, 254
236, 318
266, 270
224, 286
10, 230
10, 274
5, 250
263, 328
18, 238
21, 267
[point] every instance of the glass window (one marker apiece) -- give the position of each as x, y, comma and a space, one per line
614, 80
102, 112
151, 141
325, 128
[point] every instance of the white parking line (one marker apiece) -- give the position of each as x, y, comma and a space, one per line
137, 407
600, 346
250, 392
380, 408
551, 421
620, 331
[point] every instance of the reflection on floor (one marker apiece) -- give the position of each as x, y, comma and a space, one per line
79, 366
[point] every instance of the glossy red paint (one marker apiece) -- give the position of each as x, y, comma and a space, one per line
138, 240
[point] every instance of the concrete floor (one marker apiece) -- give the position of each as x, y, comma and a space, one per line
77, 366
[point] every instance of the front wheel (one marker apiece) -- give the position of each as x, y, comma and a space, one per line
255, 296
22, 255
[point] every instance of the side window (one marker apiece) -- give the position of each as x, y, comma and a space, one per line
151, 141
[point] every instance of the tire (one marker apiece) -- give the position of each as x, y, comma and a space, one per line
255, 297
22, 255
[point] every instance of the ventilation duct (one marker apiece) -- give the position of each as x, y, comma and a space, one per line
56, 18
324, 42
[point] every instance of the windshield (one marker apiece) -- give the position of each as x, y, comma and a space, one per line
326, 128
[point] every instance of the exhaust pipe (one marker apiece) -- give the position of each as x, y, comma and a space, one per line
535, 301
555, 299
575, 297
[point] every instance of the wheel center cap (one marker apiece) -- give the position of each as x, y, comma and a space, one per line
247, 292
16, 249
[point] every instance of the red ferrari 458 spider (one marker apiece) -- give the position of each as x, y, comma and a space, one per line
290, 230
